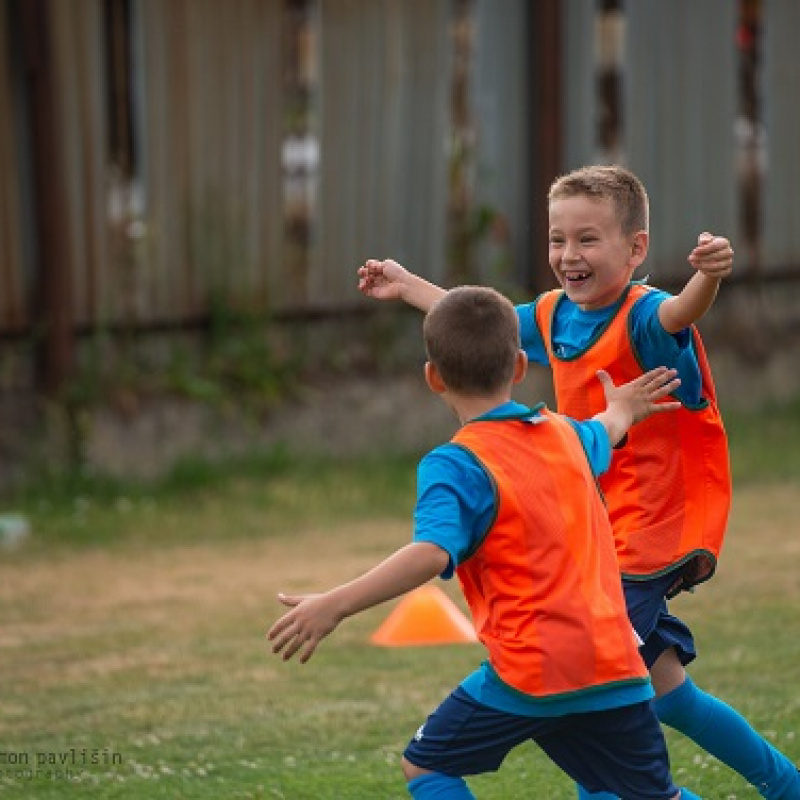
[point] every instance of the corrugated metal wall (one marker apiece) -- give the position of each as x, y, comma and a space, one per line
209, 105
79, 71
679, 121
204, 216
781, 241
502, 114
578, 47
13, 315
384, 112
204, 212
678, 87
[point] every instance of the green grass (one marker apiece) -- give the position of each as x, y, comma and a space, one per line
765, 445
133, 622
266, 491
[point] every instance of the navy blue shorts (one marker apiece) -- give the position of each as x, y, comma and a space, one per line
620, 750
657, 628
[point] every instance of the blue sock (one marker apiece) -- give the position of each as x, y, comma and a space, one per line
435, 786
584, 795
726, 734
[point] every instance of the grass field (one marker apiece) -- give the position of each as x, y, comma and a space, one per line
134, 664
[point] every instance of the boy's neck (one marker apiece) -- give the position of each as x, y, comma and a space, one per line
467, 408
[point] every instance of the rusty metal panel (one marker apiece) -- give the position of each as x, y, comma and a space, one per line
162, 51
13, 303
383, 133
578, 69
79, 70
781, 240
203, 215
502, 177
211, 209
679, 116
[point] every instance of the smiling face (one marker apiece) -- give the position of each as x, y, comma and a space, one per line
591, 257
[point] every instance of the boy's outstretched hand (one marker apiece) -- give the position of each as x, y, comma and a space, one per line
632, 402
388, 280
382, 280
642, 396
713, 256
311, 618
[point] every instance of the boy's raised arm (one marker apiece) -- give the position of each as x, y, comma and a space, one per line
713, 260
388, 280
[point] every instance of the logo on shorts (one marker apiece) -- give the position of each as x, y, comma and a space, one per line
418, 734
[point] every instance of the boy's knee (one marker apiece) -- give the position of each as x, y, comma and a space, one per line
411, 771
668, 673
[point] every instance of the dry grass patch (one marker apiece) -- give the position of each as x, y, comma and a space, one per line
175, 592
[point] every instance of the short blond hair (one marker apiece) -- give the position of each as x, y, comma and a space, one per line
615, 183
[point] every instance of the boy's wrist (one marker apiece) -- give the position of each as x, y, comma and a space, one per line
342, 602
407, 288
626, 419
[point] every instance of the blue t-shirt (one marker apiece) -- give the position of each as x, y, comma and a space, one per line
574, 329
455, 507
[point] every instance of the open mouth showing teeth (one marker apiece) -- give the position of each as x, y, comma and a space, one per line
576, 277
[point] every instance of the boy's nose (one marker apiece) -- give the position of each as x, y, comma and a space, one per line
571, 253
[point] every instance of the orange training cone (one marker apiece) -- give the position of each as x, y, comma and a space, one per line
425, 616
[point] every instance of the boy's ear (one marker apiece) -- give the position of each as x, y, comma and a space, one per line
520, 366
639, 246
434, 379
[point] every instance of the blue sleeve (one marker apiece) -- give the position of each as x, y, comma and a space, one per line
530, 338
455, 503
656, 347
596, 443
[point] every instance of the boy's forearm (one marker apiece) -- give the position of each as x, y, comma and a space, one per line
403, 571
690, 305
420, 293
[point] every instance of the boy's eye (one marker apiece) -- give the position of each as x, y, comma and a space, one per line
589, 239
